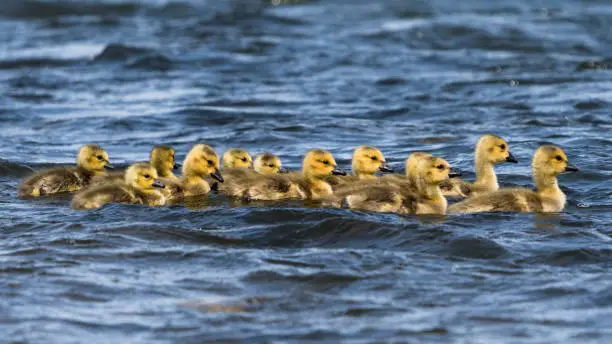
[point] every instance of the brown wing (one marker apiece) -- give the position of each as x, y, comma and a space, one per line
63, 179
101, 194
111, 177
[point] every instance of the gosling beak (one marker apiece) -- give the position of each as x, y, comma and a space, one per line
158, 184
217, 175
108, 165
454, 173
337, 172
176, 166
571, 168
385, 168
511, 158
282, 170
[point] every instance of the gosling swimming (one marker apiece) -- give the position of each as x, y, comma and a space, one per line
548, 162
92, 160
424, 197
366, 162
140, 186
200, 163
490, 150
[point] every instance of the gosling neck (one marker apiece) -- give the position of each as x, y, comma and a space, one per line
485, 172
545, 183
363, 175
429, 191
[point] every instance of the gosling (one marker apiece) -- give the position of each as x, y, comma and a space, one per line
366, 162
490, 150
548, 162
200, 163
92, 160
423, 197
140, 186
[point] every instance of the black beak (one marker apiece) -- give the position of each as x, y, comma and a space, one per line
337, 172
158, 184
282, 170
571, 168
511, 158
385, 168
454, 173
176, 166
108, 166
217, 175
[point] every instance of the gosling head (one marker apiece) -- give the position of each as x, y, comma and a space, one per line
550, 161
434, 170
319, 163
162, 159
493, 149
93, 158
236, 158
202, 161
268, 163
368, 160
412, 163
142, 176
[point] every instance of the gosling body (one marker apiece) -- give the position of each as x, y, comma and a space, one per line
92, 160
140, 186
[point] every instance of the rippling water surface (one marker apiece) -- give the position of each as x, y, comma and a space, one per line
401, 75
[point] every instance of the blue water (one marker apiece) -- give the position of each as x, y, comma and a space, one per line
400, 75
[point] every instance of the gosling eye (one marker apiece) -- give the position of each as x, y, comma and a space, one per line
210, 162
147, 176
559, 158
100, 157
374, 158
271, 165
325, 162
440, 167
502, 146
244, 159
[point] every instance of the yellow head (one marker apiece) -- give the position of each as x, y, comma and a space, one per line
493, 149
142, 176
368, 160
162, 159
236, 158
434, 170
267, 163
550, 161
412, 164
319, 163
93, 158
202, 161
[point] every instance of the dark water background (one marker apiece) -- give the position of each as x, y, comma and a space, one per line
401, 75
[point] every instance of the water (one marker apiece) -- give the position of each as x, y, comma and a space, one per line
403, 76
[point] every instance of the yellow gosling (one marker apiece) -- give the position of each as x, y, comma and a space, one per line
548, 162
92, 160
490, 150
140, 186
366, 162
424, 197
